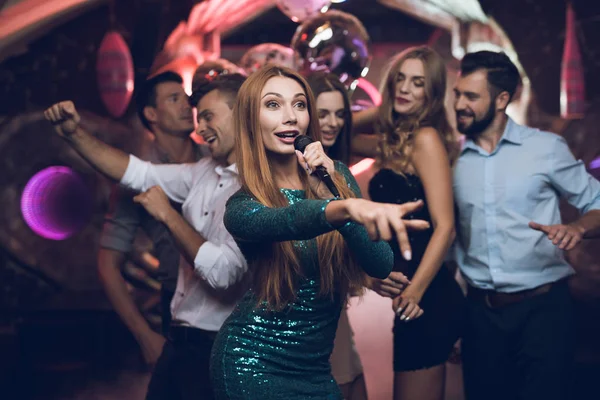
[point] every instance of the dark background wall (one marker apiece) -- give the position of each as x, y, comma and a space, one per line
38, 274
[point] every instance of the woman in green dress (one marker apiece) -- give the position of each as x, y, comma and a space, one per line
306, 249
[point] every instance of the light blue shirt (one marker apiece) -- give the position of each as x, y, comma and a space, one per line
499, 193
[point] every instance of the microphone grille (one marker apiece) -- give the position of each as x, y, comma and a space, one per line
301, 142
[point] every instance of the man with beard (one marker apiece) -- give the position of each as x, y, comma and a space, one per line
508, 180
212, 273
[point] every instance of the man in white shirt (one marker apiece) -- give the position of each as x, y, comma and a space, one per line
212, 271
165, 111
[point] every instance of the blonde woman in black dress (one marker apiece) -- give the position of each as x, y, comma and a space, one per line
416, 150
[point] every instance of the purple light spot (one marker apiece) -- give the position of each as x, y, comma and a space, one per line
595, 163
56, 203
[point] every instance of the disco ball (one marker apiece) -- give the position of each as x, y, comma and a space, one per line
336, 42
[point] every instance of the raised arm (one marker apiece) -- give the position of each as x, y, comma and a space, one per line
364, 139
365, 145
250, 221
363, 121
175, 180
106, 159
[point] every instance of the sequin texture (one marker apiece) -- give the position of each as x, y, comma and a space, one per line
261, 354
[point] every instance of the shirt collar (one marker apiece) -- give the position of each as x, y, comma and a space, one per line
511, 134
229, 170
468, 144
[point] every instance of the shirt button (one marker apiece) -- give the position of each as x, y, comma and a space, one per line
220, 185
206, 213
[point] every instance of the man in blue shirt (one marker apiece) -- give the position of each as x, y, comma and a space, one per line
508, 180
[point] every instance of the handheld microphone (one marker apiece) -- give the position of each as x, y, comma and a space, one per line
300, 144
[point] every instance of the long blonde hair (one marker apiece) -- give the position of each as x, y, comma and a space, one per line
277, 268
397, 131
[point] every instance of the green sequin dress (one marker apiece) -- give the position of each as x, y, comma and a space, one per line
261, 354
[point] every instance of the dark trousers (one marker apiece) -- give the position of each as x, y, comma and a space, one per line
182, 370
166, 296
520, 351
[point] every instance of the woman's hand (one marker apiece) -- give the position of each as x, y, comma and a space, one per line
392, 286
382, 221
313, 157
406, 306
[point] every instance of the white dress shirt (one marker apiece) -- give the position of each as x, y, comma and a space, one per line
207, 292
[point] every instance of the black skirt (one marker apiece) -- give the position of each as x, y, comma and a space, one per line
428, 340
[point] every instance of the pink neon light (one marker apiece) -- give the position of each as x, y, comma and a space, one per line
370, 90
362, 166
375, 96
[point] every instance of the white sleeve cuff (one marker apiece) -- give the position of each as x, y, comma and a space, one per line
206, 259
